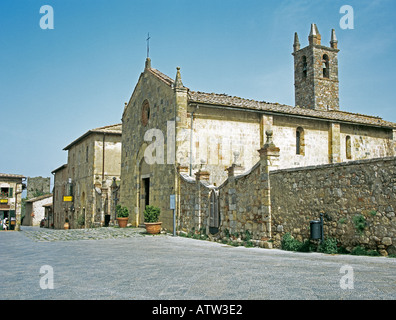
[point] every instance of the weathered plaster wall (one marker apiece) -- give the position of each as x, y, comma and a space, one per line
221, 138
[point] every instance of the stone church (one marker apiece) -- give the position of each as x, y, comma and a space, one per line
169, 129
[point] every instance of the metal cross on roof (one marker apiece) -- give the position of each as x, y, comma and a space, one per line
148, 44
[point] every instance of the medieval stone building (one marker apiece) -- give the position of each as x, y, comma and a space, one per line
11, 186
83, 191
169, 131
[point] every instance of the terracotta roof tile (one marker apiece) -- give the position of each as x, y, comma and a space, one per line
236, 102
10, 175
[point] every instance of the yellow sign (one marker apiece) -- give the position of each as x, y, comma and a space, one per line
3, 200
67, 198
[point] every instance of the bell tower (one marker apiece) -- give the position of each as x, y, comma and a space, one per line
316, 72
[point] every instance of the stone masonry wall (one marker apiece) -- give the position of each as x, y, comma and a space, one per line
364, 189
158, 94
37, 186
243, 201
342, 192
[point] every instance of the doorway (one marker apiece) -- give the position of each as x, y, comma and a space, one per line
144, 198
7, 219
146, 190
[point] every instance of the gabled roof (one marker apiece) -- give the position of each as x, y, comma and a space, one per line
163, 77
10, 175
111, 129
59, 168
45, 196
224, 100
237, 103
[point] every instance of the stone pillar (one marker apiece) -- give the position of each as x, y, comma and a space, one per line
199, 176
18, 206
334, 143
104, 197
269, 154
393, 143
231, 171
266, 123
181, 122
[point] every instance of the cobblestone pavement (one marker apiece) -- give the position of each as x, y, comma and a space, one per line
46, 235
125, 264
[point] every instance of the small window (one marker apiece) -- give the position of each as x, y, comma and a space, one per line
300, 145
86, 154
304, 66
6, 192
348, 147
325, 66
145, 112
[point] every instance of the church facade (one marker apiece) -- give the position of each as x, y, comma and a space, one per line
169, 130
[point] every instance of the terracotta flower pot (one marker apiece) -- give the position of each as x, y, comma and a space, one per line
66, 226
153, 227
122, 222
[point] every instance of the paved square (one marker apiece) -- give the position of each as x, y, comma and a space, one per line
113, 263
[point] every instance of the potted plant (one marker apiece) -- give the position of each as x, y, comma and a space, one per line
151, 217
66, 225
122, 216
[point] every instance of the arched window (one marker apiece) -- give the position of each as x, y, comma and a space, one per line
214, 213
325, 66
300, 145
305, 66
348, 147
145, 112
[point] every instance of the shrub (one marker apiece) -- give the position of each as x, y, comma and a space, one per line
151, 214
329, 246
122, 212
373, 213
361, 251
342, 250
306, 246
360, 223
288, 243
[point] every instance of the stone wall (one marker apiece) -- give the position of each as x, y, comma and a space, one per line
194, 203
154, 91
243, 201
37, 186
342, 192
267, 203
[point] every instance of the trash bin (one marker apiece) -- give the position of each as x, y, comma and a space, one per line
316, 229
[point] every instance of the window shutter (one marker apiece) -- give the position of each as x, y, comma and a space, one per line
10, 193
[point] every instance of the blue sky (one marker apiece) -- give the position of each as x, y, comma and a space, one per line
57, 84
